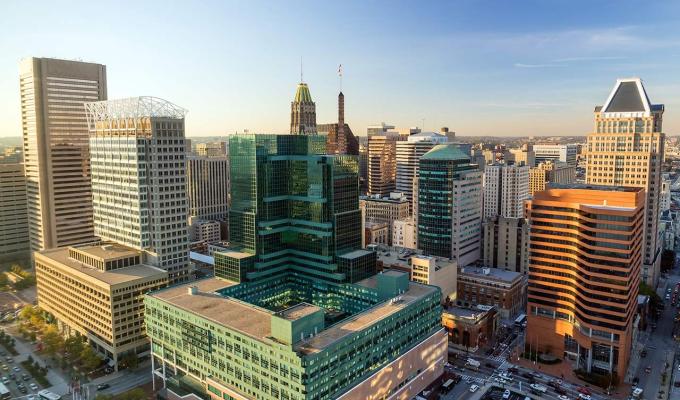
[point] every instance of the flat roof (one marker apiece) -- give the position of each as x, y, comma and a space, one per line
493, 273
298, 311
108, 251
587, 186
233, 253
355, 254
364, 319
111, 277
227, 311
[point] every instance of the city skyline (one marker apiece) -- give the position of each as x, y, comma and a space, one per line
537, 67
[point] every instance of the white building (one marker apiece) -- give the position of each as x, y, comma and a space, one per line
207, 189
566, 153
408, 157
206, 231
506, 187
404, 233
139, 183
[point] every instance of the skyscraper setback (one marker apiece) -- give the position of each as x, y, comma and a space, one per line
56, 147
627, 149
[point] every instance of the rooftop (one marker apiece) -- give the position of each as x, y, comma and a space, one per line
464, 313
446, 152
355, 254
108, 251
112, 277
491, 273
585, 186
298, 311
132, 107
302, 94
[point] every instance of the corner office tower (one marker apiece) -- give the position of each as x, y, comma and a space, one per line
626, 149
139, 179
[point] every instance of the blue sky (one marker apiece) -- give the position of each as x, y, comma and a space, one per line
479, 67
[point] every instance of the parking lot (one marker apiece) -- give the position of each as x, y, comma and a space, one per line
17, 380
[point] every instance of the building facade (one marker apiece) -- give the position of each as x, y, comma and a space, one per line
385, 210
339, 136
567, 153
470, 328
506, 244
207, 190
408, 153
382, 163
139, 181
584, 273
404, 233
550, 172
14, 239
98, 291
303, 112
376, 233
506, 187
56, 154
627, 149
505, 290
449, 198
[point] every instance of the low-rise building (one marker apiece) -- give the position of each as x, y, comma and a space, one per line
468, 328
206, 231
376, 233
98, 292
378, 209
505, 290
404, 233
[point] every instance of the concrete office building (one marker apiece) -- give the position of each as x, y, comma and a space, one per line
506, 244
449, 198
505, 290
14, 238
524, 155
56, 155
296, 305
385, 209
627, 149
428, 270
207, 231
207, 190
213, 149
506, 187
382, 163
584, 273
98, 291
567, 153
376, 233
550, 172
408, 159
139, 179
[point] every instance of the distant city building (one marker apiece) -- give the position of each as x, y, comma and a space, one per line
206, 231
665, 199
505, 290
667, 229
379, 129
339, 136
556, 152
207, 190
382, 163
139, 181
385, 209
506, 187
12, 155
98, 292
303, 112
376, 233
214, 149
470, 328
363, 164
524, 155
565, 275
627, 149
506, 244
408, 158
449, 198
56, 155
550, 172
404, 233
14, 239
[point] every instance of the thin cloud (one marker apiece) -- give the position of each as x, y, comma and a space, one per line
522, 65
576, 59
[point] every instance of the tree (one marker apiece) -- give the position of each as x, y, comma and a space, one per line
130, 360
89, 359
74, 345
52, 340
654, 299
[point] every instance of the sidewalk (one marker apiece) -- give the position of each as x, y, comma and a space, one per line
59, 382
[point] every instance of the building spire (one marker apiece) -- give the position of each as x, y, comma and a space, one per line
301, 74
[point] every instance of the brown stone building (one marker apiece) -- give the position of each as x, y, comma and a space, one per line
339, 136
496, 287
469, 328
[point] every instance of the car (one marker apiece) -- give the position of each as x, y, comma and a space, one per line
677, 384
490, 365
103, 386
5, 380
636, 380
643, 353
9, 359
584, 390
33, 386
527, 375
584, 396
506, 394
514, 370
474, 388
5, 368
668, 297
560, 390
23, 389
16, 369
648, 369
563, 397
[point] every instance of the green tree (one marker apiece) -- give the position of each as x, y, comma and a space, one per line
654, 299
130, 360
74, 345
89, 359
52, 340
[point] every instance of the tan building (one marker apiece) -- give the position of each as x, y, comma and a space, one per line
56, 150
469, 328
404, 233
98, 292
626, 148
14, 241
524, 155
376, 233
505, 290
382, 163
550, 172
429, 270
213, 149
584, 273
385, 210
506, 244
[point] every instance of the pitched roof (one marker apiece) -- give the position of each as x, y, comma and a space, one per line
446, 152
628, 96
302, 95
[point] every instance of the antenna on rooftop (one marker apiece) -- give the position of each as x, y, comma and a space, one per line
301, 75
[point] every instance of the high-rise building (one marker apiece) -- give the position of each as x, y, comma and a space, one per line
303, 112
409, 152
14, 242
582, 296
339, 136
139, 182
207, 190
567, 153
363, 164
506, 244
449, 198
296, 303
382, 163
665, 198
550, 172
506, 187
627, 149
56, 155
379, 129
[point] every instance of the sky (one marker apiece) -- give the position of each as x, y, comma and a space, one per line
498, 68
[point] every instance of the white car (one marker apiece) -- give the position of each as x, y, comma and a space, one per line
506, 394
563, 397
33, 386
584, 396
473, 388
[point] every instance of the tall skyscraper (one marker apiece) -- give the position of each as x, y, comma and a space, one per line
382, 163
14, 241
582, 296
139, 179
56, 155
303, 112
449, 195
408, 159
627, 149
296, 304
506, 187
207, 190
339, 136
567, 153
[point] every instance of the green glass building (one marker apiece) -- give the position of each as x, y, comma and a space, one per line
296, 309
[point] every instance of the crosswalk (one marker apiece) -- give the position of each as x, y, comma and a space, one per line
499, 359
472, 379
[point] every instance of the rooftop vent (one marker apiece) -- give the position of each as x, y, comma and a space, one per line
192, 290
